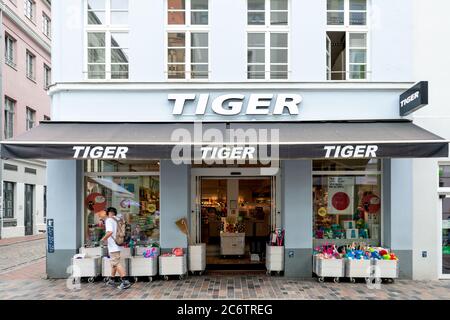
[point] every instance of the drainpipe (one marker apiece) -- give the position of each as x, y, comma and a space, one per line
2, 57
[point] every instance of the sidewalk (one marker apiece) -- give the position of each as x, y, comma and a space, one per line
10, 241
29, 283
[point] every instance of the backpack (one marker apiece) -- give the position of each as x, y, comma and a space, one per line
120, 232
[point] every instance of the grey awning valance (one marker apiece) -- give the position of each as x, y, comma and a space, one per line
295, 140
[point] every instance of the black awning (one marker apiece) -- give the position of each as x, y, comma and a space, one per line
294, 140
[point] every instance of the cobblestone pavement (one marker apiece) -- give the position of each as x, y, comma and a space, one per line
29, 283
17, 252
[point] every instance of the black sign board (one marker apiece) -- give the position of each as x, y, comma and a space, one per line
50, 236
414, 99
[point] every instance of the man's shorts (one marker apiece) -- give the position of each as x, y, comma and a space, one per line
114, 258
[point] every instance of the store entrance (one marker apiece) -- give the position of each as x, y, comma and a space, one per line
235, 221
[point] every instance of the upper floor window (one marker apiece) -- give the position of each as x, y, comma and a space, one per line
108, 55
31, 118
10, 106
10, 50
268, 12
30, 8
47, 76
46, 25
187, 12
31, 65
107, 12
107, 39
347, 40
347, 12
268, 40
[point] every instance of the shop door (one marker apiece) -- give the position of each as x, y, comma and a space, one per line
445, 238
29, 191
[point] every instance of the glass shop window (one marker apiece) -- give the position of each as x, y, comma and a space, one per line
347, 207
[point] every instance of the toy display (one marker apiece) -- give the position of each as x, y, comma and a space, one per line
359, 261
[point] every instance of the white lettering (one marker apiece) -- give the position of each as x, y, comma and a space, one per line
349, 151
411, 98
290, 101
233, 104
259, 103
226, 153
100, 152
180, 101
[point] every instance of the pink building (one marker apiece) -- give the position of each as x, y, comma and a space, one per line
26, 74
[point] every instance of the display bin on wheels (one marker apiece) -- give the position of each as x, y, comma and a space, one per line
274, 259
173, 266
197, 258
106, 267
94, 251
385, 270
328, 268
87, 267
355, 269
143, 267
139, 251
232, 244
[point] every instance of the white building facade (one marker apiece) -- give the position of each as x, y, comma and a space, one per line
323, 74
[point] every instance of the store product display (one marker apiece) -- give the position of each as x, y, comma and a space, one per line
353, 252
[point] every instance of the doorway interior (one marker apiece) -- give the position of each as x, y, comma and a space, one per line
235, 218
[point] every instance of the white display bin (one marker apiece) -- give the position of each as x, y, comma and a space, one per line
172, 266
232, 244
143, 267
94, 251
328, 268
106, 267
126, 252
139, 251
274, 258
88, 267
388, 269
357, 269
197, 258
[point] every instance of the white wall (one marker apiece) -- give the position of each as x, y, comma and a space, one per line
390, 40
431, 62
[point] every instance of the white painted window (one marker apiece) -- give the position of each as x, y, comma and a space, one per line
30, 8
107, 40
47, 76
31, 65
107, 12
10, 106
347, 12
187, 39
347, 40
10, 51
46, 25
31, 118
187, 12
268, 40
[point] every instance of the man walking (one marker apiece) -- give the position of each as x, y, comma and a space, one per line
112, 224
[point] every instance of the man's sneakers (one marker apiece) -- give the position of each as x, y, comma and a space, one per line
111, 282
124, 285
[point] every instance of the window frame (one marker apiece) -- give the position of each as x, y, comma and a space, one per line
267, 28
107, 29
47, 76
188, 29
30, 118
350, 29
347, 13
10, 50
46, 25
13, 193
30, 69
9, 126
30, 8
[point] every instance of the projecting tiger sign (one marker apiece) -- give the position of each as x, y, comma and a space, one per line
235, 104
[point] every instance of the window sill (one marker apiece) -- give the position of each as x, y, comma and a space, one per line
31, 19
11, 64
31, 79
